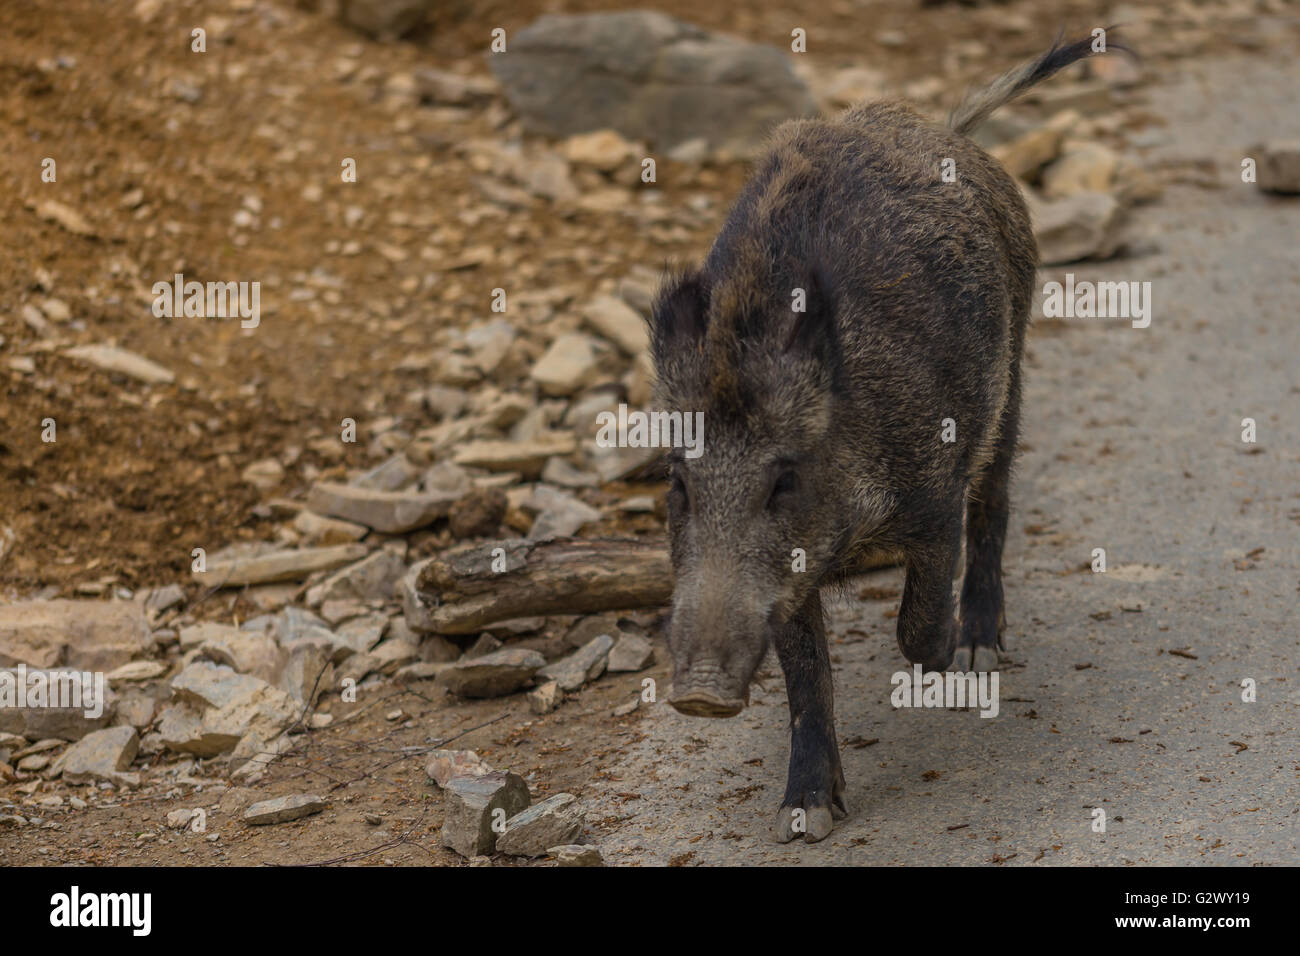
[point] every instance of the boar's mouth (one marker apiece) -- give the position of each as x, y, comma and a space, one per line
703, 703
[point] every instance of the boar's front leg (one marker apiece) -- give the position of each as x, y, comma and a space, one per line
814, 790
927, 632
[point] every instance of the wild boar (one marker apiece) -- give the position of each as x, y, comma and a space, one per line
854, 340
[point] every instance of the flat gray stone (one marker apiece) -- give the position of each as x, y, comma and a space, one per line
585, 664
493, 675
534, 831
374, 578
292, 564
284, 809
630, 653
392, 512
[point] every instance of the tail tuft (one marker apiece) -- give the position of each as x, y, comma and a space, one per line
974, 109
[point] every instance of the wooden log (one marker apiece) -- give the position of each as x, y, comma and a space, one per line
466, 589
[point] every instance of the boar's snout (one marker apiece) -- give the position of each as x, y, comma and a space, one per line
704, 702
713, 665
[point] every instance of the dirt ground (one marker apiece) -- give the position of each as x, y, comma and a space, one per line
160, 150
137, 479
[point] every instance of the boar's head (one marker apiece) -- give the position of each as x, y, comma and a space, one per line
763, 482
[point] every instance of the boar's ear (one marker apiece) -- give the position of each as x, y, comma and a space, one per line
813, 332
681, 309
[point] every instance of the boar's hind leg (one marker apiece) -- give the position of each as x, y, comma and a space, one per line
926, 626
814, 791
982, 616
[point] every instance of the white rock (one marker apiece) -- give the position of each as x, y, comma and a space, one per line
576, 855
443, 766
319, 530
603, 149
546, 174
113, 359
137, 671
180, 819
265, 474
284, 809
525, 457
1082, 167
571, 362
560, 515
101, 755
287, 565
65, 216
545, 698
393, 474
392, 512
620, 323
1083, 226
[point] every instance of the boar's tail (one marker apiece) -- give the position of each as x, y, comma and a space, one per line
975, 108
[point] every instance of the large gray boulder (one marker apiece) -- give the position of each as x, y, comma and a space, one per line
650, 77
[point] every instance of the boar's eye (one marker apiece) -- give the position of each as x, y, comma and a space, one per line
677, 490
786, 482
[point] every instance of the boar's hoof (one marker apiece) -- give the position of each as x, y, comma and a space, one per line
700, 703
813, 824
977, 660
986, 659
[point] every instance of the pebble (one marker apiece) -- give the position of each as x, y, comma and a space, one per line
576, 855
